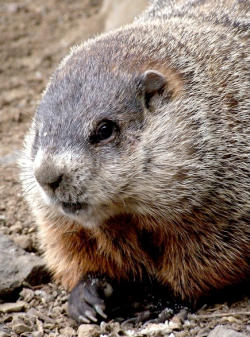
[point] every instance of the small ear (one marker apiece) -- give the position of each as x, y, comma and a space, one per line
152, 82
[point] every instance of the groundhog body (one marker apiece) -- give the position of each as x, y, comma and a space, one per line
138, 160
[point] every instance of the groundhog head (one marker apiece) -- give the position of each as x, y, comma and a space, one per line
103, 141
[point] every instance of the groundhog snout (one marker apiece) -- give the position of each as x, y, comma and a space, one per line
48, 175
57, 183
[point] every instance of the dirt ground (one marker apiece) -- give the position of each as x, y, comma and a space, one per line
34, 36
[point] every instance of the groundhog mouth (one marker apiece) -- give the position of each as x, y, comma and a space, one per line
82, 213
73, 208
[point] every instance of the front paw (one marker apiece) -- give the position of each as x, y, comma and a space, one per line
87, 299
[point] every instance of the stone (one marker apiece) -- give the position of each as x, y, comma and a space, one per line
4, 334
37, 334
221, 331
67, 332
230, 319
16, 228
22, 323
12, 307
86, 330
180, 317
20, 328
175, 325
203, 332
157, 329
17, 267
27, 294
23, 241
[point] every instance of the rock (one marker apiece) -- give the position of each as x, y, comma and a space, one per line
203, 332
230, 319
67, 332
86, 330
37, 334
17, 228
175, 325
44, 296
19, 327
221, 331
27, 294
23, 323
180, 317
4, 334
39, 326
12, 307
112, 329
160, 329
18, 266
23, 241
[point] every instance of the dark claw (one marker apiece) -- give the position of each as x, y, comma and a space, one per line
82, 319
90, 316
99, 309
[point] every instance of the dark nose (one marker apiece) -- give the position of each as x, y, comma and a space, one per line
53, 185
48, 175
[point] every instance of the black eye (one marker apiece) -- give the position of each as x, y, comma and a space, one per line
104, 131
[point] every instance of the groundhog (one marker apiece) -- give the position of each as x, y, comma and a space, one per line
137, 164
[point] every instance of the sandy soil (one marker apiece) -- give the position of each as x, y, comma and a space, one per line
34, 36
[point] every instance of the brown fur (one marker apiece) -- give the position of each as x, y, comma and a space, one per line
181, 210
204, 261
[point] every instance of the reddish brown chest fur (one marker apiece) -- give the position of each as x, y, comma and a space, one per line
190, 257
